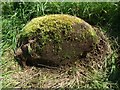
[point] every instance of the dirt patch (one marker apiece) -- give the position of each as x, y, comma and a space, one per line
77, 73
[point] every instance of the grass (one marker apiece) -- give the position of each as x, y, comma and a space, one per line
105, 15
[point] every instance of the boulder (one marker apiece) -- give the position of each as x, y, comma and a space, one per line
55, 40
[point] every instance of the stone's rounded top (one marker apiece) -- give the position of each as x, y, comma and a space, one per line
53, 22
56, 22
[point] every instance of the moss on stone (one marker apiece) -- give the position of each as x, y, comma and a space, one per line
68, 34
56, 23
51, 23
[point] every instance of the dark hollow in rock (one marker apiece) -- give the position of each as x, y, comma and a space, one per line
55, 40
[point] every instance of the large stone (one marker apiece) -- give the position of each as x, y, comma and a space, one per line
55, 40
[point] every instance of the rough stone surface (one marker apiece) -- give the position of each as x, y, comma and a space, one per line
55, 40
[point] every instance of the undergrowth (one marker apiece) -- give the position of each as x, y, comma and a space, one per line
105, 15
